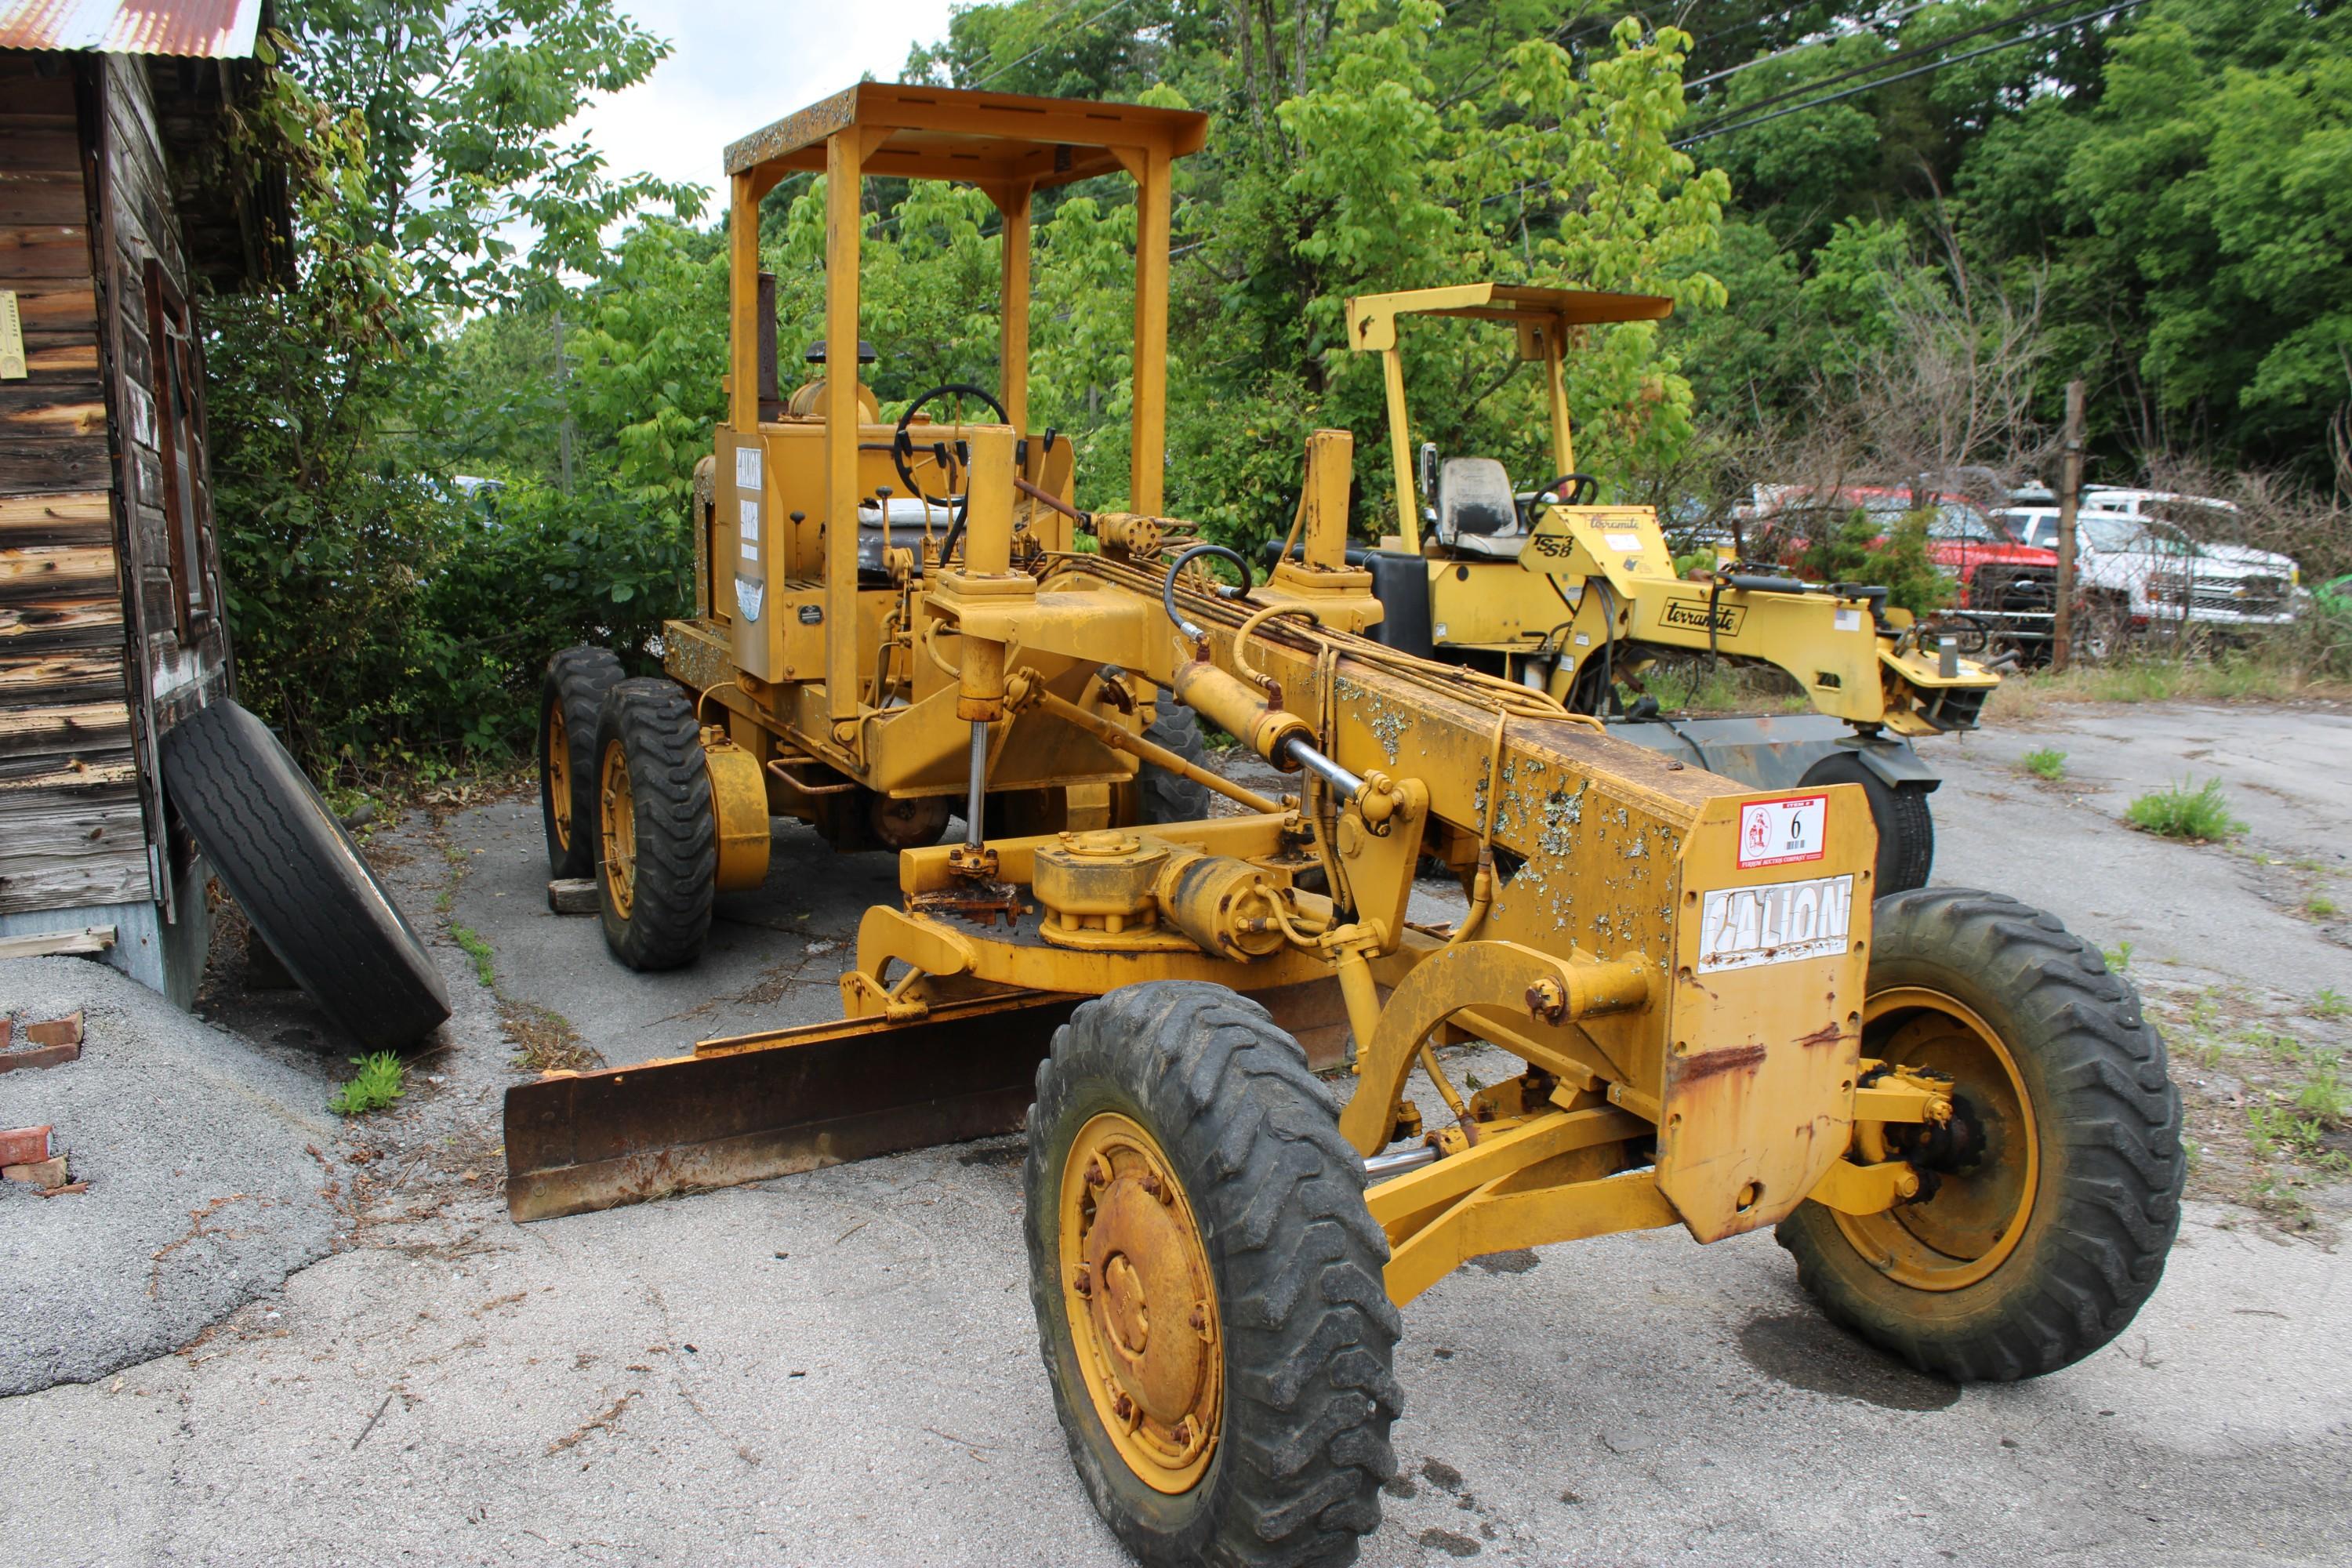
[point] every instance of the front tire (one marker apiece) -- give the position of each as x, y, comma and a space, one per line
1164, 796
658, 854
1208, 1283
571, 695
2038, 1246
1906, 829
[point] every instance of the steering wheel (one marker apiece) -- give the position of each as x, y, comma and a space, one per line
1583, 487
951, 457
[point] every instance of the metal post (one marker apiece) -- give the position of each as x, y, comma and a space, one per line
2070, 492
976, 797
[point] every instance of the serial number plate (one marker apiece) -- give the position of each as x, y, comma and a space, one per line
1778, 924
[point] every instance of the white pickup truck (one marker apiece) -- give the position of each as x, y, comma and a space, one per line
2140, 570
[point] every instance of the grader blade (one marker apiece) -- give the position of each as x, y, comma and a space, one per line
771, 1104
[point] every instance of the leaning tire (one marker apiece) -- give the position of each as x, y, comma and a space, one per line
2057, 1191
1164, 796
571, 695
300, 879
1232, 1279
656, 857
1906, 830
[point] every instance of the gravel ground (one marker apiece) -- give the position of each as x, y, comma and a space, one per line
840, 1367
203, 1158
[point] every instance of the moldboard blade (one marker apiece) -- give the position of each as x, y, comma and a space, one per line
755, 1106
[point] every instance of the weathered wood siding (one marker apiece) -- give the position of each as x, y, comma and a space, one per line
72, 821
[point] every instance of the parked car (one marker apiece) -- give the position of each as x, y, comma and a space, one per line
2157, 574
2008, 587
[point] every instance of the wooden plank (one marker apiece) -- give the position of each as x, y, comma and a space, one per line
58, 310
84, 571
51, 626
39, 149
62, 846
92, 732
44, 250
40, 944
43, 199
38, 464
52, 404
48, 680
83, 518
30, 773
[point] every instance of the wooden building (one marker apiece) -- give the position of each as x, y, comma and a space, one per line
121, 206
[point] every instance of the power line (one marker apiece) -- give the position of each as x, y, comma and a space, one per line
2055, 28
1900, 54
1059, 37
1800, 47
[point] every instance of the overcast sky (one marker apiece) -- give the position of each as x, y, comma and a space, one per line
735, 66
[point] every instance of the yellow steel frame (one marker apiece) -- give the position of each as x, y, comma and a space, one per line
1538, 603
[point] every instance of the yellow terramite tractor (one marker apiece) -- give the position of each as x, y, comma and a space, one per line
1538, 585
1954, 1114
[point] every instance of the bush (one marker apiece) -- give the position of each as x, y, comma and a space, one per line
2201, 814
2046, 763
1856, 549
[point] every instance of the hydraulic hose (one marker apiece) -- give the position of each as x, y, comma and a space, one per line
1168, 588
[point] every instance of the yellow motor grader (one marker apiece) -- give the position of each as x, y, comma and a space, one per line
1538, 585
1956, 1118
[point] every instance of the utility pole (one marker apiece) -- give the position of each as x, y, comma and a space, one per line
564, 386
2070, 494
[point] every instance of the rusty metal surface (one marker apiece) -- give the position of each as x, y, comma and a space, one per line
217, 29
769, 1105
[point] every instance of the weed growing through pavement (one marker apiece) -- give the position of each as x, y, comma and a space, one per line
379, 1082
2046, 763
2118, 957
2201, 814
478, 951
2330, 1004
2323, 1092
2320, 906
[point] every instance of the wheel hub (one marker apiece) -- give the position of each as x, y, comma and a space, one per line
1142, 1302
559, 774
617, 807
1983, 1164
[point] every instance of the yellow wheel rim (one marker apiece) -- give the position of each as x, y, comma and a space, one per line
1141, 1303
617, 806
559, 774
1975, 1220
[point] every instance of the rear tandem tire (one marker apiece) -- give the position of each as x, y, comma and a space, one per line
1258, 1256
1906, 829
1164, 796
571, 695
2040, 1249
300, 879
657, 852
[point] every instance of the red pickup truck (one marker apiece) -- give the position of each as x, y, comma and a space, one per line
2011, 589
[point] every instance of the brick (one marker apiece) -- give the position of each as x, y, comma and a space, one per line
65, 1031
48, 1173
24, 1145
572, 896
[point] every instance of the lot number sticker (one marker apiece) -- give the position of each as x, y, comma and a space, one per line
1777, 832
1778, 923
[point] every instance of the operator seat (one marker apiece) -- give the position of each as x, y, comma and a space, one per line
1477, 512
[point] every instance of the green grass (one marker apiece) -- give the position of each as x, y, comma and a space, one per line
2046, 763
377, 1084
2201, 814
2323, 1092
2118, 957
478, 951
2330, 1004
2320, 906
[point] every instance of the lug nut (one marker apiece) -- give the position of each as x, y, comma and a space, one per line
1096, 1175
1083, 1284
1545, 1000
1123, 1407
1198, 1321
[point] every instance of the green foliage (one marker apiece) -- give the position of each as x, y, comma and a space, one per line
2118, 957
478, 950
1859, 548
2178, 812
380, 1082
2046, 762
2330, 1004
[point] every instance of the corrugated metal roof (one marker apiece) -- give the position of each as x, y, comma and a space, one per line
221, 29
